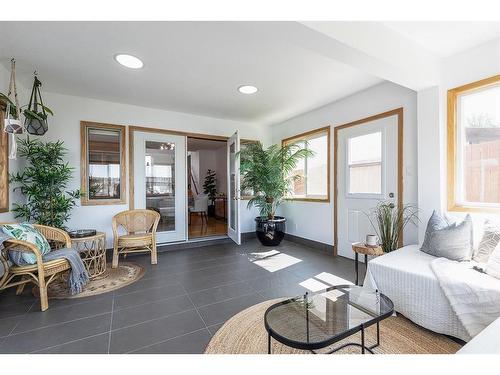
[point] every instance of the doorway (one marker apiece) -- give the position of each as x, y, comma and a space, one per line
162, 178
207, 188
368, 168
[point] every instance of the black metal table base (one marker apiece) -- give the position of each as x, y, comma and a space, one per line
361, 345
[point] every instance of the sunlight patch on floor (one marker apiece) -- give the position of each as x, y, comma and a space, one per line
273, 260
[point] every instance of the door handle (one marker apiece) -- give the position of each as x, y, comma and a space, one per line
391, 195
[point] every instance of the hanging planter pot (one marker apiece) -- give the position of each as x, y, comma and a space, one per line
36, 114
12, 121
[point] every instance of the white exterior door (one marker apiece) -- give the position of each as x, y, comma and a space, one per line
367, 172
160, 182
233, 188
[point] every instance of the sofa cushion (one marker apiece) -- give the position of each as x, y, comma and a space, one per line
493, 266
26, 232
486, 342
489, 241
406, 277
449, 240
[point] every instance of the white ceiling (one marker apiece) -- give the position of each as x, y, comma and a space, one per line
196, 67
447, 38
192, 67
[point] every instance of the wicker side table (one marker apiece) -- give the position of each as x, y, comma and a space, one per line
92, 250
361, 248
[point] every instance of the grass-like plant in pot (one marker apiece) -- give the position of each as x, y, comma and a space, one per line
43, 183
389, 221
268, 173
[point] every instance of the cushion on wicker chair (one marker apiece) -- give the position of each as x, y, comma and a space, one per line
26, 232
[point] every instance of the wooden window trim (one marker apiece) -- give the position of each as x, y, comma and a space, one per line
399, 112
85, 201
302, 136
453, 94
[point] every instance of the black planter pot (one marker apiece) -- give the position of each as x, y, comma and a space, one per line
36, 127
270, 232
211, 210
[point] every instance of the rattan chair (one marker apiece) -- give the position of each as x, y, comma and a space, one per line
41, 273
140, 227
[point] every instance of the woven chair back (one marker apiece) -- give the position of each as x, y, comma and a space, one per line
137, 221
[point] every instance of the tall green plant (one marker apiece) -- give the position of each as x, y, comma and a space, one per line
269, 174
43, 183
210, 185
389, 220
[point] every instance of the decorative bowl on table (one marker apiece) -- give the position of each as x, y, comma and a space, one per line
80, 233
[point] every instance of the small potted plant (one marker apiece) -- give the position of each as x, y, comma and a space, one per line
210, 189
269, 174
389, 221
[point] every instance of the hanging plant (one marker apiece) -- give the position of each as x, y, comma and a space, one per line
36, 114
12, 121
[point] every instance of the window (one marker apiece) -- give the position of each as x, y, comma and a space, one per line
474, 146
314, 184
103, 158
365, 164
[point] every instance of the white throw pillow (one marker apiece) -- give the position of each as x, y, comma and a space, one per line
489, 241
493, 265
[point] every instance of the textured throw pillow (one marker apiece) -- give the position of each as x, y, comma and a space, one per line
26, 232
451, 241
436, 222
489, 241
493, 265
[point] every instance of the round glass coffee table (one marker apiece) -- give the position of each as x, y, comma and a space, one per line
316, 321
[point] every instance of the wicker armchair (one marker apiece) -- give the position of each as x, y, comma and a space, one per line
140, 227
41, 273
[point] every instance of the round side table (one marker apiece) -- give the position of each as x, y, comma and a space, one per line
361, 248
92, 250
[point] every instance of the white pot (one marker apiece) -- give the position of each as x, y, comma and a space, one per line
13, 126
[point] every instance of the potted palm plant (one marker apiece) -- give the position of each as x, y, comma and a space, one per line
269, 174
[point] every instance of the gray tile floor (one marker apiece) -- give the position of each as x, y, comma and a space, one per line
175, 308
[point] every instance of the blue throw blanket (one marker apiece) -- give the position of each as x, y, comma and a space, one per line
78, 276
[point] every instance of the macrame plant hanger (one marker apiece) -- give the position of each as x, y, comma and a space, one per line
36, 126
13, 126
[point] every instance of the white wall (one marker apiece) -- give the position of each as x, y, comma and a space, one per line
315, 220
65, 126
475, 64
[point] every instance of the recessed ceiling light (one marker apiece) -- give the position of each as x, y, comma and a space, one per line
129, 61
247, 89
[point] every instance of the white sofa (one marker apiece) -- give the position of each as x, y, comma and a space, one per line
406, 277
486, 342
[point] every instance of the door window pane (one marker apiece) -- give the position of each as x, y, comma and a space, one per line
365, 164
104, 169
160, 182
479, 146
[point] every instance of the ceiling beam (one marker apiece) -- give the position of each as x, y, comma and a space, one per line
370, 47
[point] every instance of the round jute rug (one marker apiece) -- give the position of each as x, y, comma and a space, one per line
244, 333
126, 274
